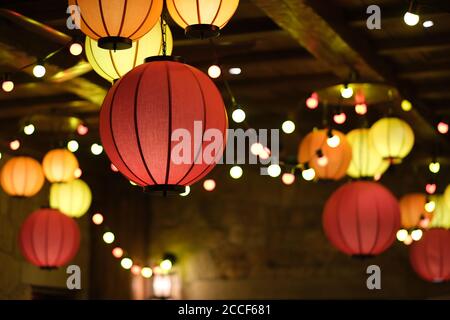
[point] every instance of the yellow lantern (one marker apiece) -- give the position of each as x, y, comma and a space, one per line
202, 19
59, 165
393, 138
112, 65
447, 196
441, 216
366, 161
71, 198
22, 177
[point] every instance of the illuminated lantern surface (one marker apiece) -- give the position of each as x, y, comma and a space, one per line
441, 214
116, 23
202, 19
430, 256
447, 196
412, 208
366, 161
22, 177
49, 239
361, 218
338, 158
112, 65
59, 165
147, 111
72, 198
393, 138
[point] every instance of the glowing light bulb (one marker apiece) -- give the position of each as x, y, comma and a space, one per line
402, 234
29, 129
82, 129
322, 161
108, 237
136, 270
214, 71
186, 192
14, 145
134, 184
114, 168
77, 173
346, 92
274, 170
73, 145
411, 19
256, 148
408, 240
340, 118
361, 109
406, 105
309, 174
235, 71
416, 235
288, 178
238, 115
434, 167
288, 127
117, 252
39, 71
126, 263
430, 206
313, 101
8, 86
97, 219
236, 172
96, 149
209, 185
424, 223
428, 24
442, 127
430, 188
265, 153
333, 141
76, 49
147, 272
166, 265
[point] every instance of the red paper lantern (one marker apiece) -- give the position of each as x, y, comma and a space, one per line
144, 109
361, 218
49, 239
430, 256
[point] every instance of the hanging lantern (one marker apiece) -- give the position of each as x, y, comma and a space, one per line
72, 198
59, 165
366, 161
22, 177
393, 138
441, 214
430, 256
141, 128
361, 218
49, 239
202, 19
412, 209
447, 196
314, 149
112, 65
116, 23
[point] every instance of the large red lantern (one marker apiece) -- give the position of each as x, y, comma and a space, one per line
163, 125
49, 239
361, 218
430, 256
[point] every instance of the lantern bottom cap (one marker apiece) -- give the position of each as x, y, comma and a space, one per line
49, 268
362, 256
165, 189
115, 43
202, 31
164, 58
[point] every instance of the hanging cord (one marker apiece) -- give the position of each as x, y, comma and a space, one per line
164, 36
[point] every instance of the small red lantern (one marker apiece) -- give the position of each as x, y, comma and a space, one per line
361, 218
49, 239
145, 111
430, 256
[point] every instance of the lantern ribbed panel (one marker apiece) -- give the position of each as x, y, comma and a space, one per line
22, 177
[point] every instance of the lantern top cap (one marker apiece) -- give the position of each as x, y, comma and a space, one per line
164, 58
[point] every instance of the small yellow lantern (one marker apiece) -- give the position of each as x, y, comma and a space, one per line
441, 217
447, 196
59, 165
71, 198
22, 177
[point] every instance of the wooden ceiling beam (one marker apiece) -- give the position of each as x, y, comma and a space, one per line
428, 42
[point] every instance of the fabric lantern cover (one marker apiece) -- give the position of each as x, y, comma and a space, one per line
202, 19
412, 208
430, 256
59, 165
22, 177
112, 65
116, 23
441, 214
338, 158
361, 218
366, 161
447, 196
393, 138
49, 239
142, 112
72, 198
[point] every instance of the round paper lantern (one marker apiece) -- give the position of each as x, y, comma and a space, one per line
22, 177
202, 19
412, 209
447, 196
72, 198
116, 23
441, 214
49, 239
153, 107
366, 161
393, 138
112, 65
430, 256
338, 158
361, 218
59, 165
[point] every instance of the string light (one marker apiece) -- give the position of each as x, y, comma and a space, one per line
256, 148
97, 219
346, 91
313, 101
29, 129
424, 222
236, 172
134, 184
166, 265
238, 115
78, 173
274, 170
406, 105
96, 149
14, 145
39, 71
434, 166
76, 49
411, 19
72, 145
117, 252
408, 240
82, 129
265, 153
235, 71
288, 178
322, 160
428, 24
333, 140
114, 168
209, 185
186, 192
288, 127
7, 86
416, 235
136, 270
147, 272
126, 263
308, 173
340, 118
402, 234
430, 205
430, 188
108, 237
214, 71
442, 127
361, 109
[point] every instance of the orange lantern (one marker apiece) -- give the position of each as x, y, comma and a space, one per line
116, 23
327, 152
59, 165
22, 177
412, 209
